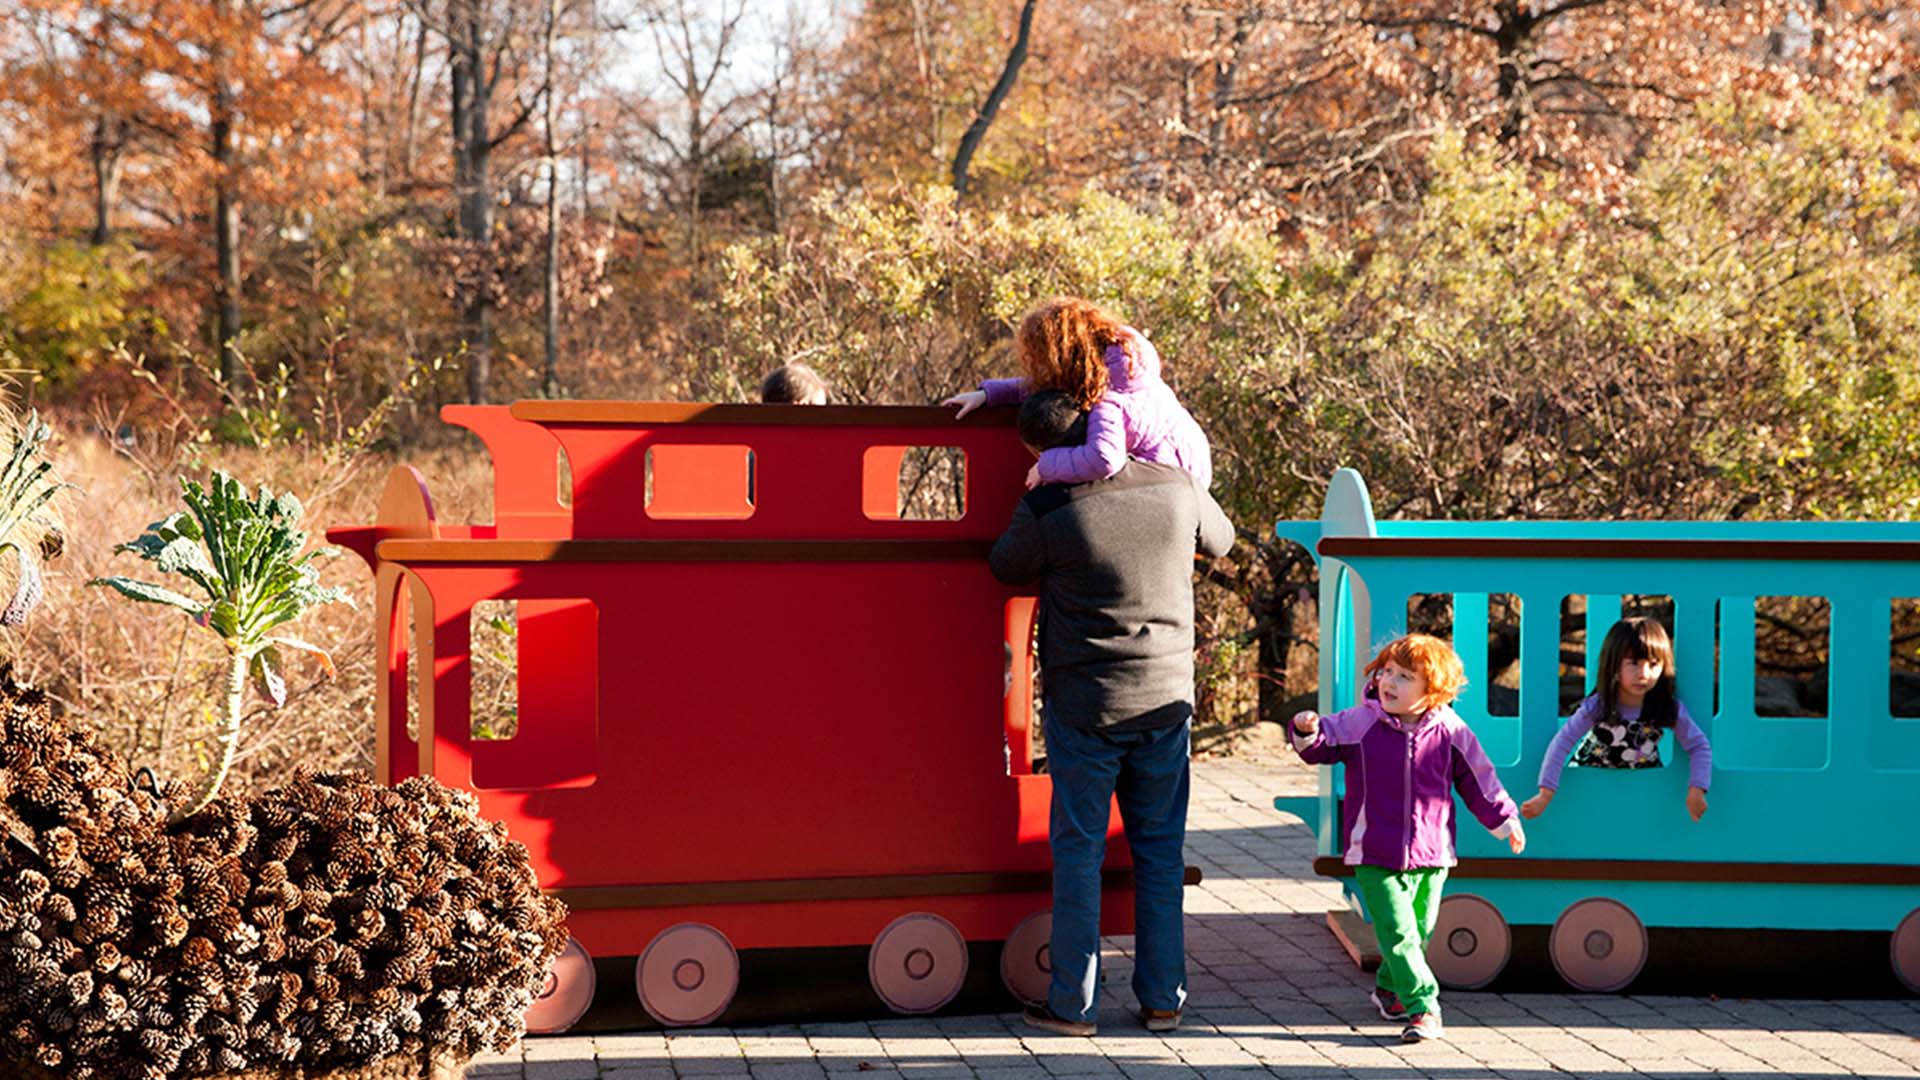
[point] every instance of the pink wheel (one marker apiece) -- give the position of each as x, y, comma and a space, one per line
687, 975
1906, 950
1598, 945
564, 997
1026, 962
1471, 943
918, 963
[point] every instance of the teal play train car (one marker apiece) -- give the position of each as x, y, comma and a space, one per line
1814, 821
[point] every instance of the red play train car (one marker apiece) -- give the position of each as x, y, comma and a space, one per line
756, 707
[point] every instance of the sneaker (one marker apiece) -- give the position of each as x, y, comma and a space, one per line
1422, 1027
1388, 1004
1160, 1019
1039, 1016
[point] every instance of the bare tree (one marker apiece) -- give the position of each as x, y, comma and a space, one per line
484, 51
550, 309
694, 51
1009, 72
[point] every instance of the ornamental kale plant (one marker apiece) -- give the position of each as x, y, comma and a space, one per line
29, 526
245, 554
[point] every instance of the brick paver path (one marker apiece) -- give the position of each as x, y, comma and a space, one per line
1273, 994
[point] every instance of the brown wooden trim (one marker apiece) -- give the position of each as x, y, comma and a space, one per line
1756, 873
413, 552
1440, 547
663, 412
889, 887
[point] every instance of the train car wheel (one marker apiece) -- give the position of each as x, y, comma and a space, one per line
1598, 945
564, 997
1471, 943
918, 963
687, 975
1026, 961
1906, 950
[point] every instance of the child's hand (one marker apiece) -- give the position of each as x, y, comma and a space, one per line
1033, 473
1697, 802
1306, 722
968, 401
1537, 805
1517, 839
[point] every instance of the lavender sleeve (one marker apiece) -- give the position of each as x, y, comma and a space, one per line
1336, 738
1699, 751
1004, 391
1104, 452
1477, 782
1564, 741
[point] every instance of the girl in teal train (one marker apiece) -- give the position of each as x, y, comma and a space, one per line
1619, 725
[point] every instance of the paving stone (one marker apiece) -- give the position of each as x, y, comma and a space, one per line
1272, 995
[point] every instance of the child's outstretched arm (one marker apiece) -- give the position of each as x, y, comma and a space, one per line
1104, 452
1699, 760
1564, 741
1479, 786
1326, 740
991, 392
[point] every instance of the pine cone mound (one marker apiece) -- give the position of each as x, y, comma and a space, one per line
330, 927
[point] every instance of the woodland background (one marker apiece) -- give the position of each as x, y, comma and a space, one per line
1509, 258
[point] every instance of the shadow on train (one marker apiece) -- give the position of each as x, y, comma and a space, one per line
788, 986
1702, 963
830, 985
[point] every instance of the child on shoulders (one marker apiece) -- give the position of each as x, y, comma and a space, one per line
1112, 371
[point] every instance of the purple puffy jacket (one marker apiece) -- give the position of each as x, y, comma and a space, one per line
1139, 416
1398, 811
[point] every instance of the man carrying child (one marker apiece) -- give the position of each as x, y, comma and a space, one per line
1114, 558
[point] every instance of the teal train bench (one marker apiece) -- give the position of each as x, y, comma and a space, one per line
1814, 821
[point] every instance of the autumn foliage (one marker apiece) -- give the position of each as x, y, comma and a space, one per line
1510, 257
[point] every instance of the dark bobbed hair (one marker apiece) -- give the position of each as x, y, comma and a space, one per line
791, 384
1050, 418
1638, 638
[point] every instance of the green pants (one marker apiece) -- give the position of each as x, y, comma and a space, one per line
1404, 905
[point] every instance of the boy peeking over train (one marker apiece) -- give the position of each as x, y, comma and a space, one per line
1406, 753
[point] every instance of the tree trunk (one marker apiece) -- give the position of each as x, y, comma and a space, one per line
410, 138
550, 377
1226, 71
1513, 41
226, 242
109, 143
472, 153
969, 142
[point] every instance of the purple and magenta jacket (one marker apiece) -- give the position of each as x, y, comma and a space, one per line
1139, 417
1398, 810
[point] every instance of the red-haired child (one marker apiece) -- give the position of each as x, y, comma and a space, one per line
1406, 753
1110, 370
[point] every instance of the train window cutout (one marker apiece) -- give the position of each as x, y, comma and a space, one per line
764, 708
914, 483
1809, 827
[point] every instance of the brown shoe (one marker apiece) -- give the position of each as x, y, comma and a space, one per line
1039, 1016
1160, 1019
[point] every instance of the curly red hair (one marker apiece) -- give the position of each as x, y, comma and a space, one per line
1063, 345
1432, 658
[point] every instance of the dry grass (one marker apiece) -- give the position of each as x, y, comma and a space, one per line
143, 675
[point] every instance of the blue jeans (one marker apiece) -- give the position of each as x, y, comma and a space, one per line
1148, 771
